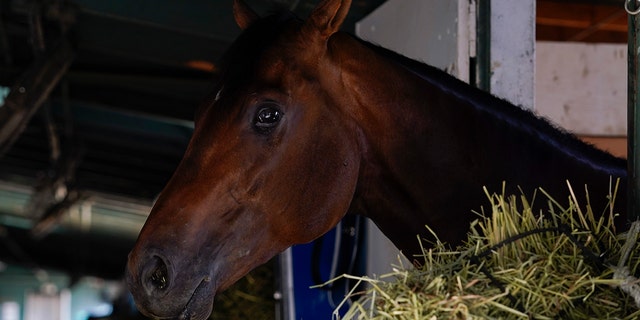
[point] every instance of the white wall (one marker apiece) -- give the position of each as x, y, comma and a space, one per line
431, 31
583, 87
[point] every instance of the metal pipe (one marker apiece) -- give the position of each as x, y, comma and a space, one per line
633, 113
483, 43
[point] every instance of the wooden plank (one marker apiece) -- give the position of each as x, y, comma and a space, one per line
581, 86
589, 22
580, 15
30, 91
617, 146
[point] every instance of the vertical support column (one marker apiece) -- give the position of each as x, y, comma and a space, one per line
512, 51
633, 112
505, 50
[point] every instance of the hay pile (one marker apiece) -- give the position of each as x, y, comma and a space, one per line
515, 265
249, 298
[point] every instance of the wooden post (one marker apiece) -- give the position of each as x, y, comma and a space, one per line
512, 53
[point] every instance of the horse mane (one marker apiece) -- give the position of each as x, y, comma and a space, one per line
514, 117
239, 62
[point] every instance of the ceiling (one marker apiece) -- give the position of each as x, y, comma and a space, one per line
102, 95
110, 89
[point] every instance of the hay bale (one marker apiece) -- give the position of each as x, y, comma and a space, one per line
515, 264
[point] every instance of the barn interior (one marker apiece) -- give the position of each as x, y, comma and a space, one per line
97, 100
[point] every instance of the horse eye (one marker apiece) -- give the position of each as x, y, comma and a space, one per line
267, 118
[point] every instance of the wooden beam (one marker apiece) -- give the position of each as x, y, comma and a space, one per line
30, 91
587, 22
583, 24
591, 2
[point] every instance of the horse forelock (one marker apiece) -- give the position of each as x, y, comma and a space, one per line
238, 64
239, 61
508, 115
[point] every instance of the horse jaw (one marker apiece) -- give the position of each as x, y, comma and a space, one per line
169, 288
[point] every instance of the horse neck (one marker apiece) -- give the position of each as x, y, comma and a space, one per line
390, 108
427, 153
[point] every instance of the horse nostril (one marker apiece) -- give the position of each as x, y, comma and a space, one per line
158, 278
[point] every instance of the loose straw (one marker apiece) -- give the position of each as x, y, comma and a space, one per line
629, 283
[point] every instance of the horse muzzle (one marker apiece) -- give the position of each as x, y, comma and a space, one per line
161, 293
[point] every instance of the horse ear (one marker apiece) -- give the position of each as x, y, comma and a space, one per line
328, 16
243, 14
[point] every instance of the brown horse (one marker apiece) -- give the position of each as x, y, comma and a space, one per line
308, 123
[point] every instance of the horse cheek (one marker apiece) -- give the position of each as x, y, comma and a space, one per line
333, 177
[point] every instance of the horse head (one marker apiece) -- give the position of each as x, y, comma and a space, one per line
272, 163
